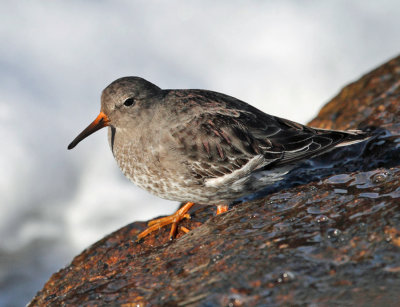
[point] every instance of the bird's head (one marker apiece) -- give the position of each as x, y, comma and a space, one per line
121, 102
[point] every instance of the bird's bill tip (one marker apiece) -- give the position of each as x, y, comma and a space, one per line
101, 121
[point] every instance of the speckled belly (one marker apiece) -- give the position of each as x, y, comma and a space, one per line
144, 170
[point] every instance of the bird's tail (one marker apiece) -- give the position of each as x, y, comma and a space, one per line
350, 136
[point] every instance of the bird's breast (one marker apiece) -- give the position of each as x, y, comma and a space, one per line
142, 160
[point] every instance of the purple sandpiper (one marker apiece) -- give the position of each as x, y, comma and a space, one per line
201, 146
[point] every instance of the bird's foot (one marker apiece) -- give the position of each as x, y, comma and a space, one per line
173, 219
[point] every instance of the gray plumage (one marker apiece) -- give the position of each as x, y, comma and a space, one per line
203, 146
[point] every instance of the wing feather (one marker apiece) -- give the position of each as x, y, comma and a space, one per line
224, 138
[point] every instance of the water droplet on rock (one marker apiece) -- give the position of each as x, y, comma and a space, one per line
286, 277
322, 219
216, 258
254, 215
380, 177
334, 234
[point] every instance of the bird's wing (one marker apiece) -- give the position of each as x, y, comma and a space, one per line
218, 139
223, 145
228, 139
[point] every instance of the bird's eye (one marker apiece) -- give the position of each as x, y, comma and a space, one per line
129, 102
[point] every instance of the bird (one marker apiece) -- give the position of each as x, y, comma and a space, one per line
202, 147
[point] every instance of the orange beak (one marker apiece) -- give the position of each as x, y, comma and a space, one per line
101, 121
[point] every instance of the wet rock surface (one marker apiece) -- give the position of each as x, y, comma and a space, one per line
329, 234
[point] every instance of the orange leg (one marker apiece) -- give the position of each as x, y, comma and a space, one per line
222, 209
173, 219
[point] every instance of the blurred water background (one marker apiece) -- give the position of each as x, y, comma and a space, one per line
285, 57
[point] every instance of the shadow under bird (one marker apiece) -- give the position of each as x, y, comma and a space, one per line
199, 146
